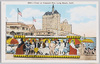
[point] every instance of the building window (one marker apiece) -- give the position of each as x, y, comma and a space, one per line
26, 34
26, 28
18, 33
23, 28
48, 32
31, 33
17, 27
22, 33
12, 27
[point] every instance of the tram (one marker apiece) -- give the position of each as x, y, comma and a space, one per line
48, 46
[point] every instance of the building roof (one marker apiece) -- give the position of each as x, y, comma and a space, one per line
30, 25
15, 23
56, 12
50, 13
19, 23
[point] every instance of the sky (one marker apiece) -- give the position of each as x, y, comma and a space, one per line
81, 16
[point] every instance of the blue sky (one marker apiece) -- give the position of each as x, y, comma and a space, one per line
74, 13
62, 9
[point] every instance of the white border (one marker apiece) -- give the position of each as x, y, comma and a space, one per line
3, 31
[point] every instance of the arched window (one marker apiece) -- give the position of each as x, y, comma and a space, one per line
31, 33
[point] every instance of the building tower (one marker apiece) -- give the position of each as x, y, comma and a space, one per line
52, 9
51, 21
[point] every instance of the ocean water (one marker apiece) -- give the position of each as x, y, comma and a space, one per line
91, 45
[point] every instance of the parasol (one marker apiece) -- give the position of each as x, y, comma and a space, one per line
12, 41
87, 41
61, 40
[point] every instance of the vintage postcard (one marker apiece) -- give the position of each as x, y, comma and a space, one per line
55, 31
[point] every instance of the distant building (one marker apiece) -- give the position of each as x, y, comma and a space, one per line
18, 28
51, 22
65, 28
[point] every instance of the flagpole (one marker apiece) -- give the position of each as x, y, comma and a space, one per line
17, 15
32, 21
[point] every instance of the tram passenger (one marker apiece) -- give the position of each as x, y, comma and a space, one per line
37, 44
51, 47
27, 47
57, 47
32, 47
46, 49
67, 48
47, 44
44, 45
61, 47
41, 44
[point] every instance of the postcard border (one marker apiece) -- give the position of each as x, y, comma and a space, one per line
2, 38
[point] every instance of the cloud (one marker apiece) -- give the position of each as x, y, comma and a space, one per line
82, 14
29, 12
83, 20
89, 28
13, 17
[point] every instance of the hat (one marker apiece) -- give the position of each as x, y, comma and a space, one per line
61, 40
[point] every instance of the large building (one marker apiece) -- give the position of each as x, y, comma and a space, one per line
51, 22
18, 28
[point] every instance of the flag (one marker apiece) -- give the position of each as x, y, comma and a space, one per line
19, 13
34, 19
